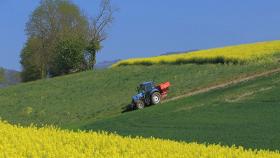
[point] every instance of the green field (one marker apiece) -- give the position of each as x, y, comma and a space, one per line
76, 100
243, 114
246, 114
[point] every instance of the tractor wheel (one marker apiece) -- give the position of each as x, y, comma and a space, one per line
156, 97
140, 104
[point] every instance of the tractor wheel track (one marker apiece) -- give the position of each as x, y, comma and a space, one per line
225, 84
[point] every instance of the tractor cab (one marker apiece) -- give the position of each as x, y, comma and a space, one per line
149, 94
145, 87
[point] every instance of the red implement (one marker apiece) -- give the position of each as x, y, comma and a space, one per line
163, 88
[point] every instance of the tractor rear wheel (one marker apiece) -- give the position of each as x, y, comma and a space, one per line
156, 97
140, 104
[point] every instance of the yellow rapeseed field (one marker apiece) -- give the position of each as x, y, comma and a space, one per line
50, 142
231, 54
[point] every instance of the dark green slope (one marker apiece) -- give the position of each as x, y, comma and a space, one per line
80, 99
247, 114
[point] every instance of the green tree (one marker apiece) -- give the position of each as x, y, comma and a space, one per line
2, 75
29, 61
51, 21
90, 54
50, 29
69, 57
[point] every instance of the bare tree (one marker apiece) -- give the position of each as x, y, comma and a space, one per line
98, 30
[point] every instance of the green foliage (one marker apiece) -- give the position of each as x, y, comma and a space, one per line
92, 48
69, 57
30, 62
52, 19
71, 20
30, 73
51, 24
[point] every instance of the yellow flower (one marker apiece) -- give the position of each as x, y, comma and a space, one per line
233, 54
50, 142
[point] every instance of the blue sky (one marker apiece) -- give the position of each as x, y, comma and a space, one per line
152, 27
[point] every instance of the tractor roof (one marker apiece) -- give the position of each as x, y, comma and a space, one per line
149, 82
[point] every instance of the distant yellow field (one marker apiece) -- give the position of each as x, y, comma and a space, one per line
231, 54
49, 142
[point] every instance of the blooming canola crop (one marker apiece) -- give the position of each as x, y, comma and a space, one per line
50, 142
232, 54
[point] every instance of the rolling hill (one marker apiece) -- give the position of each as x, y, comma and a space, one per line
9, 77
75, 100
246, 114
94, 100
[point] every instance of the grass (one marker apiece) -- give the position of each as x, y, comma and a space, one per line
246, 114
239, 54
80, 99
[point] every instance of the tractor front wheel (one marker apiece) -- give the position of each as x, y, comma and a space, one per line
156, 97
140, 104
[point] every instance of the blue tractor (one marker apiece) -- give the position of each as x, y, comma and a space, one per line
149, 94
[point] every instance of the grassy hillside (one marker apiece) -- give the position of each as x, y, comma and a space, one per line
45, 142
245, 53
246, 114
80, 99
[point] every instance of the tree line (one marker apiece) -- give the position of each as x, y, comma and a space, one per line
61, 39
2, 75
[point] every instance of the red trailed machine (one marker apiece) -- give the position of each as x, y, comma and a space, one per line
163, 88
